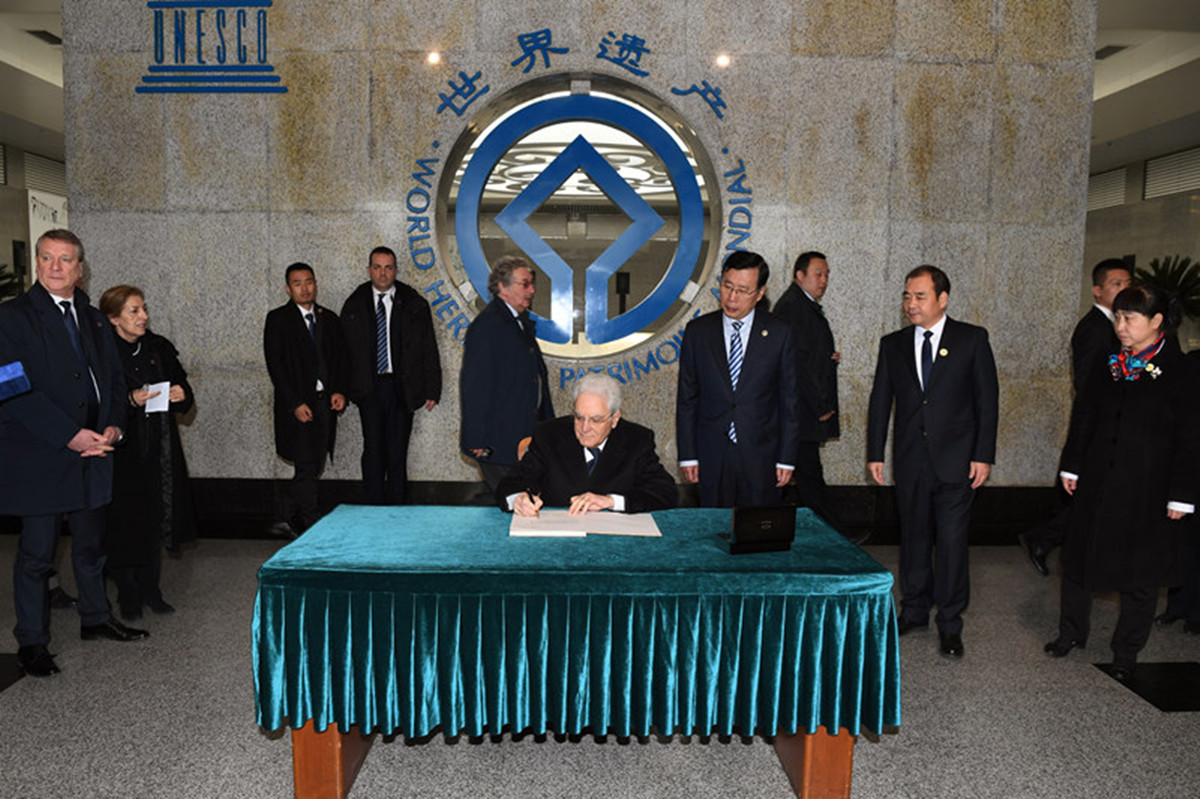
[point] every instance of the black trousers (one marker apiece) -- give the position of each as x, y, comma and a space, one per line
1133, 622
1184, 600
299, 502
493, 473
137, 585
811, 490
386, 428
1052, 532
35, 560
739, 484
934, 518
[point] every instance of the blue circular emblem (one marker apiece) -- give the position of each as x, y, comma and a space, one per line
580, 155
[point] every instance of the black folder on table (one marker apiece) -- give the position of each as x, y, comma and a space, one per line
766, 529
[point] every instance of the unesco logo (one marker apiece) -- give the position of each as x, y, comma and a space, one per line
603, 196
210, 47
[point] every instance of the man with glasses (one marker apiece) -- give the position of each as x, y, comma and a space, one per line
503, 386
737, 403
591, 460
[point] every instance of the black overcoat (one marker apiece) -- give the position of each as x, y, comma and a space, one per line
1134, 446
152, 499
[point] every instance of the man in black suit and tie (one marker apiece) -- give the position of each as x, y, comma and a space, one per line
306, 357
941, 377
504, 387
394, 370
737, 406
588, 462
1092, 342
816, 377
54, 440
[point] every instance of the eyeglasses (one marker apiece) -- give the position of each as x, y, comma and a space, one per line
738, 290
596, 420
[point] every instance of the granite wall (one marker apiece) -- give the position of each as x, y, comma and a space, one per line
885, 133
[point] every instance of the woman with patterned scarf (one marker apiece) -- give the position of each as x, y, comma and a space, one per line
1131, 461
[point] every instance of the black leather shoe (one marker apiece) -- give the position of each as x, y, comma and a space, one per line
952, 645
283, 530
60, 599
161, 607
1191, 627
1060, 647
1167, 619
113, 630
36, 661
859, 537
1122, 674
1036, 556
131, 613
907, 626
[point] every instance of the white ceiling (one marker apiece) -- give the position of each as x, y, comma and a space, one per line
1147, 96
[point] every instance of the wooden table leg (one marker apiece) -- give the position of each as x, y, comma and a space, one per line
818, 764
325, 764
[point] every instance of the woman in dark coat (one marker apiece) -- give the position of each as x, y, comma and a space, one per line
152, 503
1131, 463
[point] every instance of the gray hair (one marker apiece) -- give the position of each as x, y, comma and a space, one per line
502, 272
601, 385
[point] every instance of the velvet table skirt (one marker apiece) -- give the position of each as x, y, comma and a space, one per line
407, 620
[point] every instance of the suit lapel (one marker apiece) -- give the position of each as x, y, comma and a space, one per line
756, 344
716, 347
610, 459
945, 344
909, 358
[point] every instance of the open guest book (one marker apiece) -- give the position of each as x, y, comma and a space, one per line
560, 523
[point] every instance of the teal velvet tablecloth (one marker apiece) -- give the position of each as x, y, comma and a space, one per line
409, 620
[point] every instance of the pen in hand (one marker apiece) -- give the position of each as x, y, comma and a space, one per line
535, 502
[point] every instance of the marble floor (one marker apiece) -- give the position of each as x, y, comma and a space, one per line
173, 716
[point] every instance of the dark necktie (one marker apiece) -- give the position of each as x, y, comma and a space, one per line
312, 326
926, 360
381, 343
93, 399
735, 367
591, 465
73, 331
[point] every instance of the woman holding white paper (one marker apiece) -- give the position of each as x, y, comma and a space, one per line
152, 503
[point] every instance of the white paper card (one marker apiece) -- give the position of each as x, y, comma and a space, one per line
162, 402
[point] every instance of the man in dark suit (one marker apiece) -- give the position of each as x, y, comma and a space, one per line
504, 387
816, 377
394, 370
588, 462
306, 358
1092, 342
941, 377
737, 406
54, 440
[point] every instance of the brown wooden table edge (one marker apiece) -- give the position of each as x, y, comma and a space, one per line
324, 764
818, 764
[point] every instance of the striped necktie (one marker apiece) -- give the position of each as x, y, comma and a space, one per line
381, 341
735, 367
